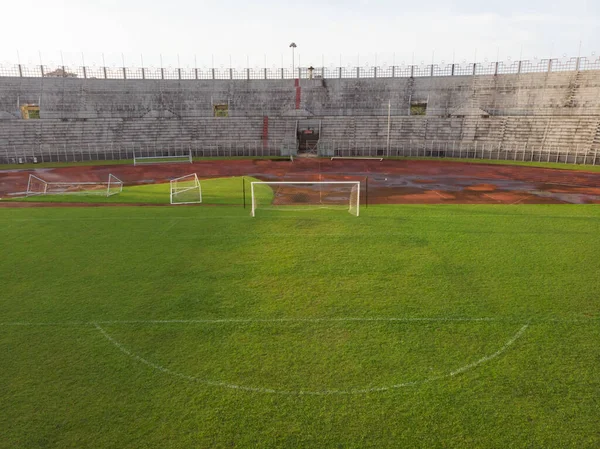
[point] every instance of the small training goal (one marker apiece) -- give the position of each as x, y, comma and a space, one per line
38, 186
186, 190
380, 159
163, 159
306, 195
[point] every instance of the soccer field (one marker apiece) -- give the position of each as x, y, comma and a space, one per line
409, 326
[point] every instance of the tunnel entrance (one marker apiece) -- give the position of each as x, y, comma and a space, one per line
308, 133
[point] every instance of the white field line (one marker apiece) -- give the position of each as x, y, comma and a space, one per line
168, 228
252, 320
487, 358
301, 320
453, 373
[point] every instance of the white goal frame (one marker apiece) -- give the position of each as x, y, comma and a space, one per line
354, 183
177, 159
174, 190
114, 186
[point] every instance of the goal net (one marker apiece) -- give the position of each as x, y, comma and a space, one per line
163, 159
186, 190
342, 195
38, 186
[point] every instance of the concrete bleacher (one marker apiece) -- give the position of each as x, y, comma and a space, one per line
555, 93
556, 111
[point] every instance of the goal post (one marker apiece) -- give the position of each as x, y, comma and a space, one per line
115, 185
38, 186
306, 195
164, 159
185, 190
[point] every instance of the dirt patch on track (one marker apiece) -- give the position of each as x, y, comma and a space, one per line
389, 181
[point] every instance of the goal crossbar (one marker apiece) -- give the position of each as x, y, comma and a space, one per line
168, 159
353, 198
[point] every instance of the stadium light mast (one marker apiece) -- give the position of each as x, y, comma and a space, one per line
293, 46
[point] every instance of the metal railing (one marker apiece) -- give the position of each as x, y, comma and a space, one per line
563, 64
117, 151
461, 150
326, 148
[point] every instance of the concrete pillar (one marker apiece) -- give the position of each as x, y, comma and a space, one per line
105, 74
474, 68
577, 64
247, 73
496, 68
452, 71
162, 73
20, 71
179, 73
340, 73
230, 73
412, 71
519, 67
374, 72
282, 73
213, 73
393, 71
358, 72
143, 73
265, 69
124, 73
431, 70
196, 73
549, 65
42, 70
85, 72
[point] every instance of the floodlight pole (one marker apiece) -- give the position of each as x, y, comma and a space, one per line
293, 46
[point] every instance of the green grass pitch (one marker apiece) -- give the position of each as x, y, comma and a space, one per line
409, 326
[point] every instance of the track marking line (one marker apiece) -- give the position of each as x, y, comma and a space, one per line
491, 197
451, 374
440, 195
522, 199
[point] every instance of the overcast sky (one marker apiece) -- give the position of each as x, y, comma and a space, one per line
353, 31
